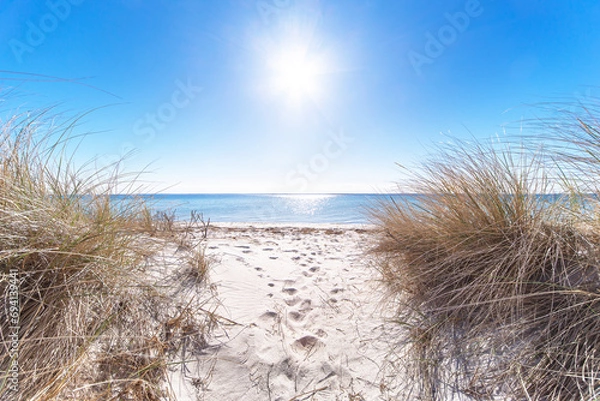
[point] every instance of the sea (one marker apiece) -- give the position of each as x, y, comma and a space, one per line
271, 208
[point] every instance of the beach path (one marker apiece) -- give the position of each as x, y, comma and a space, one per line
305, 318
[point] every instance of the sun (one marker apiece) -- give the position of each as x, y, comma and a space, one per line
295, 73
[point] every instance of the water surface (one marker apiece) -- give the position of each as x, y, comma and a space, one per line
271, 208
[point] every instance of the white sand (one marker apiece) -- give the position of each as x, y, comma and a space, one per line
307, 313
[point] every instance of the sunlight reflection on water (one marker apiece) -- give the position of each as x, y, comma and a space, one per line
305, 204
276, 208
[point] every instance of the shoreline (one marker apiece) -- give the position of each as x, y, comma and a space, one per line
294, 225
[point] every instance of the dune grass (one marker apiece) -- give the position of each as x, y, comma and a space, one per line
498, 287
80, 319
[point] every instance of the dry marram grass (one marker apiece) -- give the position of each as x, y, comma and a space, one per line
498, 287
90, 324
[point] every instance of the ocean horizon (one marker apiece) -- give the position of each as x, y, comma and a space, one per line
270, 208
320, 208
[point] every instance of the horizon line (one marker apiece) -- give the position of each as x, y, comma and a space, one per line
266, 193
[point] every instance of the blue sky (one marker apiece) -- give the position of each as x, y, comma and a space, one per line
291, 95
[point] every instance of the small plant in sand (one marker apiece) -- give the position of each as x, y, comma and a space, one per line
77, 321
498, 284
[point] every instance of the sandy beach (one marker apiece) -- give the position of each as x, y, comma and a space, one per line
304, 317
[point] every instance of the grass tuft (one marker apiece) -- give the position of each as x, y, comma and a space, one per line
81, 317
498, 287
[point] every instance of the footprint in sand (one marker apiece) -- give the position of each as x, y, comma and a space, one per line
296, 316
306, 305
308, 343
269, 320
304, 308
288, 368
321, 333
268, 316
292, 301
289, 291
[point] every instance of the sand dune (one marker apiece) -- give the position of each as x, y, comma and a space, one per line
306, 317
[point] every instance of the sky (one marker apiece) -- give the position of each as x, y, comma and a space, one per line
285, 96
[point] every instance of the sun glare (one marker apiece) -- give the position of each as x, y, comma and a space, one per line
295, 73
